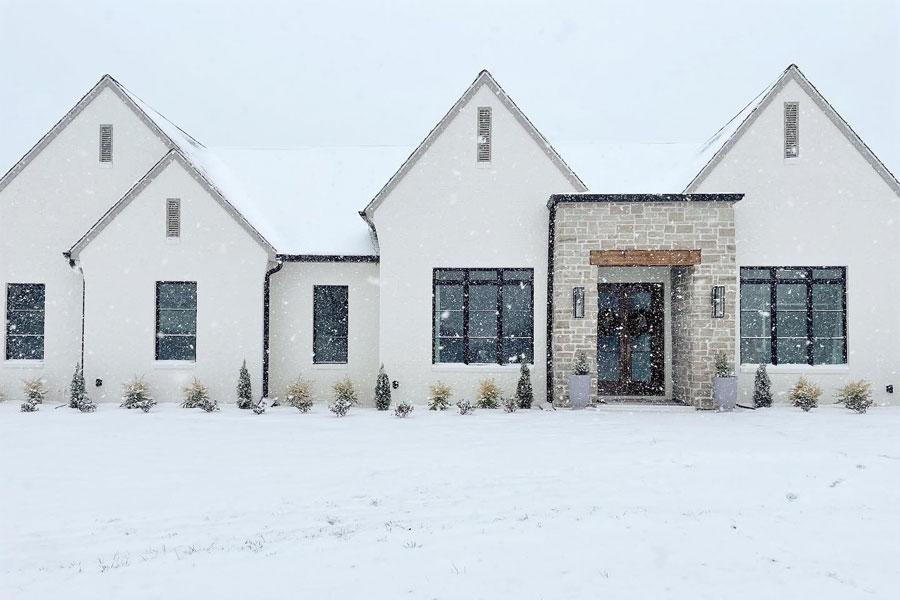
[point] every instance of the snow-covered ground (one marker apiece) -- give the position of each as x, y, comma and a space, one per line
621, 502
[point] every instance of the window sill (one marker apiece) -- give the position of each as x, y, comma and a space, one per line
331, 366
23, 364
477, 367
805, 369
105, 165
174, 364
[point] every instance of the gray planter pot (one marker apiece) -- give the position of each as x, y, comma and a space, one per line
725, 392
579, 390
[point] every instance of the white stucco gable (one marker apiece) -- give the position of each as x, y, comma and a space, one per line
484, 80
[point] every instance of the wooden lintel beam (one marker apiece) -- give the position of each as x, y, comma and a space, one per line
645, 258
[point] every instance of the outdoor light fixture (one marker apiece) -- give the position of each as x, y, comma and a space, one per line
578, 302
718, 301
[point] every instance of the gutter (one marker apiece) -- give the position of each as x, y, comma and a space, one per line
279, 263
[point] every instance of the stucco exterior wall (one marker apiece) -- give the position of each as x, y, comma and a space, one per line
46, 208
827, 207
124, 262
291, 328
449, 211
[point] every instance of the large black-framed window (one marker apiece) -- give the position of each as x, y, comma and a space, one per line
794, 315
331, 310
483, 316
25, 321
176, 320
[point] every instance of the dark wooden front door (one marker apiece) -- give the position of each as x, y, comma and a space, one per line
630, 342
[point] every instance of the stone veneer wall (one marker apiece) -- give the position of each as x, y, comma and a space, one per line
580, 227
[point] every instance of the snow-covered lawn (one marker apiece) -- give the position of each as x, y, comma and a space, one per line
621, 502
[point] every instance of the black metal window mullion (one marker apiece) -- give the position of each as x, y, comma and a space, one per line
499, 342
773, 311
466, 354
809, 316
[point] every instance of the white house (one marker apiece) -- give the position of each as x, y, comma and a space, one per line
127, 245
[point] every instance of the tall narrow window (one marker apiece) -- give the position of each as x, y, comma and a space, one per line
794, 315
484, 134
330, 317
176, 320
25, 321
791, 129
106, 143
173, 218
483, 316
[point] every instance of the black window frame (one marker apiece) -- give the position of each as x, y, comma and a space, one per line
466, 282
159, 335
346, 322
809, 280
43, 316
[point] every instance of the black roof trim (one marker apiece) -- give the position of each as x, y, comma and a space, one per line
352, 258
558, 198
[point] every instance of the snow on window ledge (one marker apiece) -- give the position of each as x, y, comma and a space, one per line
23, 363
330, 366
800, 369
174, 364
477, 367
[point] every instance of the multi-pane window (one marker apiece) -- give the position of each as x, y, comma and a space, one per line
330, 319
176, 320
106, 143
791, 129
483, 316
793, 315
25, 321
484, 134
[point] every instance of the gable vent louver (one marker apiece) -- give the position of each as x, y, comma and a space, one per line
106, 142
484, 134
173, 218
791, 129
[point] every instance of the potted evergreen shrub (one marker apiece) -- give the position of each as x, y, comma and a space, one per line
724, 384
580, 382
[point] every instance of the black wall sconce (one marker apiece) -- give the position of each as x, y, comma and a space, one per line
578, 302
718, 301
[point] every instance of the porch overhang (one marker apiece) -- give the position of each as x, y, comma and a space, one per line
641, 198
645, 258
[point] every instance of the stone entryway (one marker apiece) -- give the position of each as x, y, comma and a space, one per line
692, 239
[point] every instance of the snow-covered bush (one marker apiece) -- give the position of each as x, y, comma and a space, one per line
856, 395
440, 396
136, 394
581, 366
382, 390
299, 395
465, 407
344, 397
723, 367
77, 388
762, 388
35, 392
510, 404
259, 408
196, 395
805, 394
403, 409
488, 394
244, 388
524, 391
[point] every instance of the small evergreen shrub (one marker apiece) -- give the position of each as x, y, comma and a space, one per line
581, 366
510, 404
382, 390
259, 408
524, 391
488, 394
762, 388
856, 395
35, 392
299, 395
77, 389
136, 395
403, 409
344, 398
465, 407
244, 388
805, 395
440, 396
723, 367
196, 395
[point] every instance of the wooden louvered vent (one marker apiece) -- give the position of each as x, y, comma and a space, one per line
484, 134
791, 129
106, 141
173, 218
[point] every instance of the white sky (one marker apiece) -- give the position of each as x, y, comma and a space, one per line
267, 73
